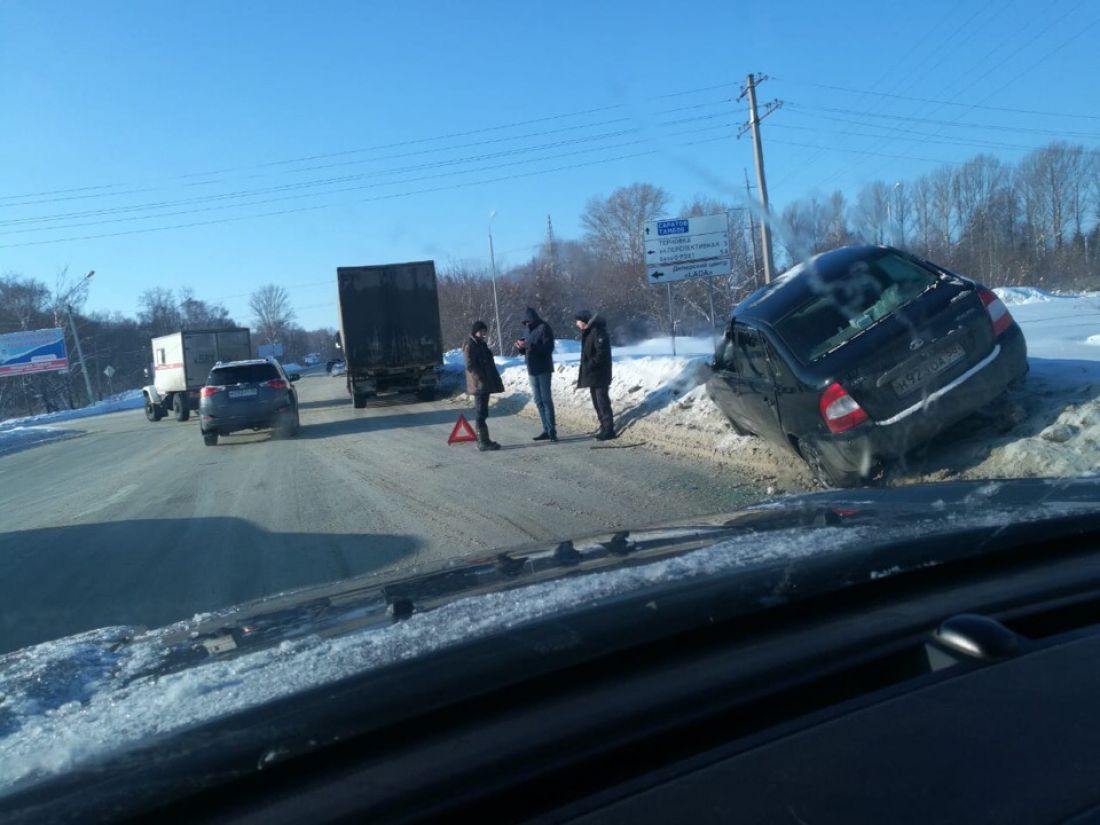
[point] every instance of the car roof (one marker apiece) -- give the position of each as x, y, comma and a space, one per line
246, 363
793, 288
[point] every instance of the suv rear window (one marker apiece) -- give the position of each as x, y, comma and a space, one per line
845, 306
243, 374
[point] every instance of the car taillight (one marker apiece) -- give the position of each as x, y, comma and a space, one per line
840, 410
998, 312
206, 392
275, 384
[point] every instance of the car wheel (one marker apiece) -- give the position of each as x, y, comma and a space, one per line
210, 439
295, 425
180, 407
426, 394
823, 471
359, 401
154, 412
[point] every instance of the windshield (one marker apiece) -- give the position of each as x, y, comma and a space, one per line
243, 374
548, 278
867, 292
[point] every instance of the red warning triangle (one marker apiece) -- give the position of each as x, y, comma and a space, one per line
462, 432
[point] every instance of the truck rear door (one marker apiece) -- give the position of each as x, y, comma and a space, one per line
200, 353
233, 345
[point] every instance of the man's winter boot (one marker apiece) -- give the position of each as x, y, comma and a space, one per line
483, 441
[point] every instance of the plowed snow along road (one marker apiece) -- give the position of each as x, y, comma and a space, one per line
140, 523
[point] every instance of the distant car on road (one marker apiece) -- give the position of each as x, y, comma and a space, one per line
862, 354
248, 395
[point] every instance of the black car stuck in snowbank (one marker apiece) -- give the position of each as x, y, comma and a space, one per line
862, 354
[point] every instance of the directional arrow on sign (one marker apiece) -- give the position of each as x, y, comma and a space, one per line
656, 275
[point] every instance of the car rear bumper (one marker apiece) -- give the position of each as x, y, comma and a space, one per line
231, 418
861, 448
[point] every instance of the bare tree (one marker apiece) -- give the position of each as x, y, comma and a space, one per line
871, 214
615, 225
272, 313
157, 311
198, 314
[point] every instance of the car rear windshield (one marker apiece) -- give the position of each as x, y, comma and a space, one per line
242, 374
842, 307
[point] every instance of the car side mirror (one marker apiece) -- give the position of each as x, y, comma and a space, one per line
294, 376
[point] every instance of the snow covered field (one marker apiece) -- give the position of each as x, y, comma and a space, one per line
661, 400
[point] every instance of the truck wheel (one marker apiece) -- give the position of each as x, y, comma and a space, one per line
154, 412
181, 407
426, 394
359, 401
210, 439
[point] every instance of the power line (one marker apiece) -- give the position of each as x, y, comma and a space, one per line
383, 146
1007, 109
199, 210
345, 178
864, 152
921, 70
928, 140
1012, 54
391, 196
960, 124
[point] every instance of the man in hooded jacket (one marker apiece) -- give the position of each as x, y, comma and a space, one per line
482, 379
595, 369
538, 351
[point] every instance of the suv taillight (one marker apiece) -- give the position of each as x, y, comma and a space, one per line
998, 312
840, 410
206, 392
275, 384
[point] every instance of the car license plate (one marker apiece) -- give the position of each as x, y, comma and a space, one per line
251, 392
917, 376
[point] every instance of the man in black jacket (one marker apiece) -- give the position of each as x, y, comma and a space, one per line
595, 370
538, 349
482, 379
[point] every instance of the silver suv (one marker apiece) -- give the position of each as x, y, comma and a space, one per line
248, 395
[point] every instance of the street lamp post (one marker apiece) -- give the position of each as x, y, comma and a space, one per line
76, 337
493, 273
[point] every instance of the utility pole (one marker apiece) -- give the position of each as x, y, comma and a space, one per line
758, 150
752, 234
76, 336
493, 270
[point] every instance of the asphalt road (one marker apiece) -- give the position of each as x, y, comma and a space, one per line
135, 523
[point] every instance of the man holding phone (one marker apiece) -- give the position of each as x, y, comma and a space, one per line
538, 349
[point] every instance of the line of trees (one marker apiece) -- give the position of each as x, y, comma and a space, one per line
1035, 223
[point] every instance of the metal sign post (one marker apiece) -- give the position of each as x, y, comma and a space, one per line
671, 320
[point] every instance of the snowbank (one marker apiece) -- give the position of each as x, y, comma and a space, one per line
661, 400
13, 439
128, 400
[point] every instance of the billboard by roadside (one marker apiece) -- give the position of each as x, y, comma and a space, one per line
40, 350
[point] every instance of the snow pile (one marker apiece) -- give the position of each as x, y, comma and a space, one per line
14, 439
1019, 295
128, 400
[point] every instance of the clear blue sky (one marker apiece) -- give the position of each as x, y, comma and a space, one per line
175, 108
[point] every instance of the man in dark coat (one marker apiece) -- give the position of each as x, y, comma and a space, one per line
482, 380
538, 349
595, 370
